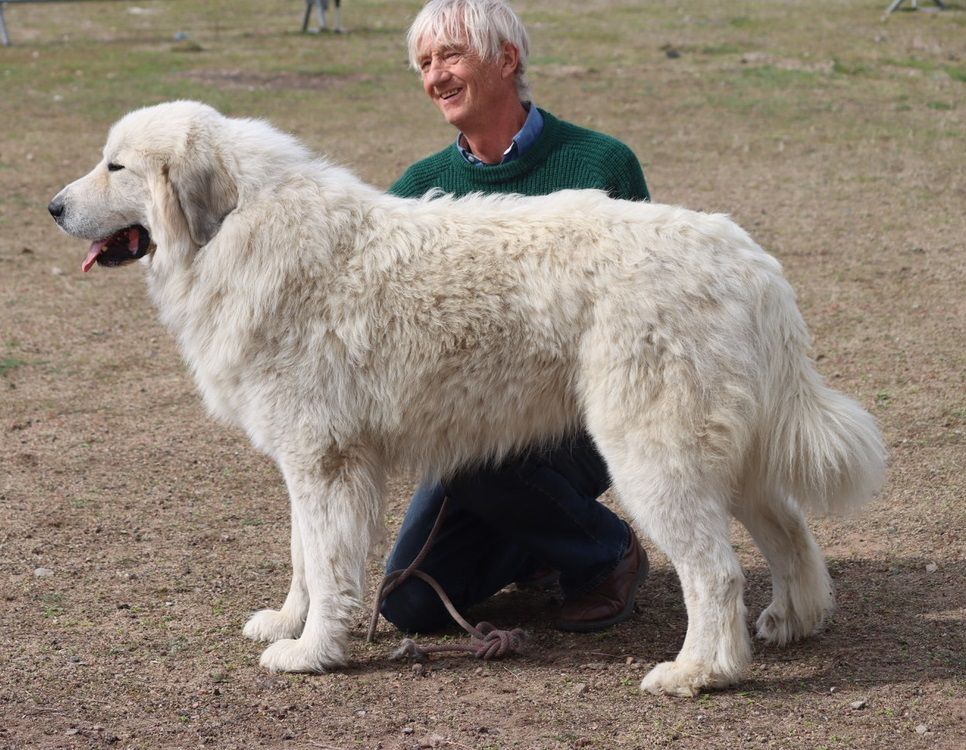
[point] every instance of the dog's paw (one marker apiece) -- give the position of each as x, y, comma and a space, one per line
272, 625
779, 624
290, 655
682, 679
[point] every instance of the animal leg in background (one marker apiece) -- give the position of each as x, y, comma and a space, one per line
321, 7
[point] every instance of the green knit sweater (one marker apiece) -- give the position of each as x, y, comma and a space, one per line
564, 156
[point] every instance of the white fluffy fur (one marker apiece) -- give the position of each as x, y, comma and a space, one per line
349, 332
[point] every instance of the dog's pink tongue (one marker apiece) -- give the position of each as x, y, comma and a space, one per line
96, 247
133, 238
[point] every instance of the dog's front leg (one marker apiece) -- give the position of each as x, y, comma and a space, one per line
275, 624
336, 504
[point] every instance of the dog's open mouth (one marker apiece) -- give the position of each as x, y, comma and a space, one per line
124, 246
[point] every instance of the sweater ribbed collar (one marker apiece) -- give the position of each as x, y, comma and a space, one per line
512, 170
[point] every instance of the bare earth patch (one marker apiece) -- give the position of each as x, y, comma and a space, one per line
231, 79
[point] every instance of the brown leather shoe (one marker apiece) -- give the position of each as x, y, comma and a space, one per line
612, 601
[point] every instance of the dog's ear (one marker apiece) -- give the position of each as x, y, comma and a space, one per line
205, 191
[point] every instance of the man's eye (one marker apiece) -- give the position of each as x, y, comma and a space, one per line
112, 167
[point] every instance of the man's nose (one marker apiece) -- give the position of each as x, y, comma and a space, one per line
56, 207
436, 73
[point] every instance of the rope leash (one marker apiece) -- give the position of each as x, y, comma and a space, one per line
486, 641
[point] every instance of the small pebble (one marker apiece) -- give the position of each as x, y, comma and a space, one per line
418, 669
922, 729
43, 572
580, 688
932, 568
478, 671
72, 731
361, 712
629, 660
408, 730
859, 704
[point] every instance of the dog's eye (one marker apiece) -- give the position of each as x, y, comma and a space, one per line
112, 167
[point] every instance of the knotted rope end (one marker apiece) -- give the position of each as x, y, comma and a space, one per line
408, 649
498, 644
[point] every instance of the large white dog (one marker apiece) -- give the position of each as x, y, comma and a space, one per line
348, 332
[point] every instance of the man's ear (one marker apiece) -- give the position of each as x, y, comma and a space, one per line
510, 60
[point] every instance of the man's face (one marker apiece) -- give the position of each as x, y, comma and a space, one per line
464, 88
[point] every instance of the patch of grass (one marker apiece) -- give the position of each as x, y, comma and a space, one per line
52, 605
956, 72
777, 93
772, 77
941, 106
741, 22
721, 49
9, 364
843, 68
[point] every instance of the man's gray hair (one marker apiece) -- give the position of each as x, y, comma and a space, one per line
482, 25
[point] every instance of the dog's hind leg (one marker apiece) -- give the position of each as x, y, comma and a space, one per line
275, 624
801, 587
686, 514
336, 504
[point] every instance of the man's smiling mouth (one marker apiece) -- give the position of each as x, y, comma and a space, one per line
450, 94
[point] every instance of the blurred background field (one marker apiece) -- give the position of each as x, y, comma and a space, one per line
834, 136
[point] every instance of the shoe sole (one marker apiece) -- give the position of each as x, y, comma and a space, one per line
593, 627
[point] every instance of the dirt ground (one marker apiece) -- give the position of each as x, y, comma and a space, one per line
136, 535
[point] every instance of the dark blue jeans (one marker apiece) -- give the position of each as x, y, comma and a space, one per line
502, 523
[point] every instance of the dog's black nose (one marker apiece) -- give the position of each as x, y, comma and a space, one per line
56, 207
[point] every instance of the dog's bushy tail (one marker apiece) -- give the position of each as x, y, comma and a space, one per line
820, 446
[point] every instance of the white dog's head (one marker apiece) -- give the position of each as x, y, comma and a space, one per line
163, 182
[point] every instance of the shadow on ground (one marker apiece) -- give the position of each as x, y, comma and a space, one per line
896, 622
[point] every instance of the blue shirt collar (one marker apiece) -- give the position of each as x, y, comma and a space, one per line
522, 141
